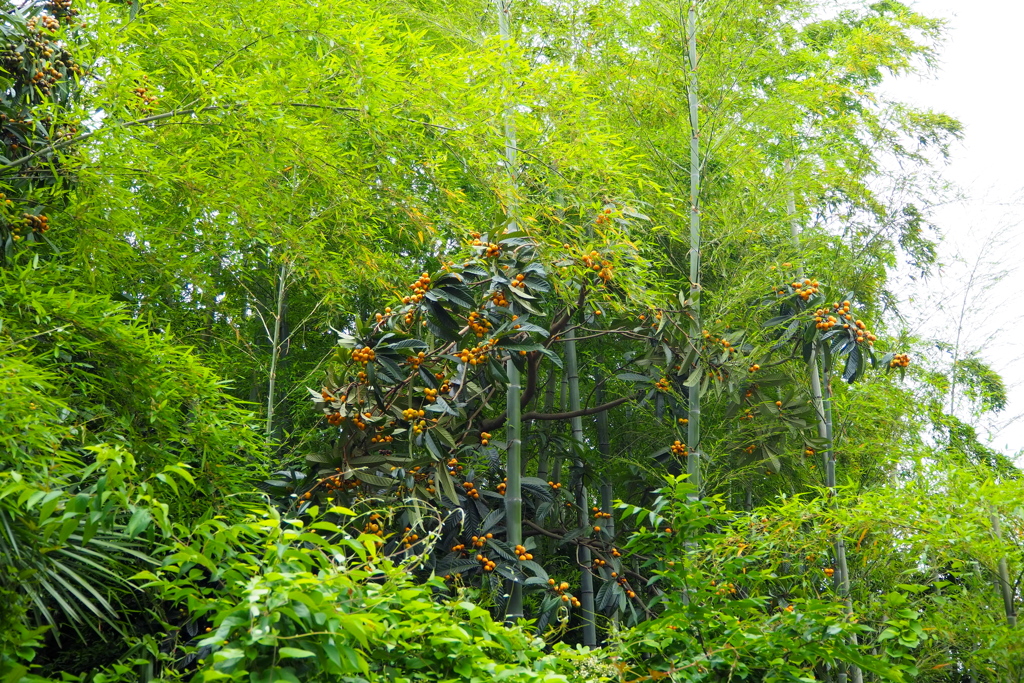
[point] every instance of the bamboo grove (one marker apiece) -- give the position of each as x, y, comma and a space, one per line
484, 340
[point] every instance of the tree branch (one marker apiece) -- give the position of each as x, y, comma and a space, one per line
498, 420
150, 119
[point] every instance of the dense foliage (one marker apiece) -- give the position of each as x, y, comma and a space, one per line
469, 341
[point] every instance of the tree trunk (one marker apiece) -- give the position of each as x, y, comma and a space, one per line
549, 405
582, 501
607, 491
1005, 587
275, 349
696, 337
513, 426
822, 404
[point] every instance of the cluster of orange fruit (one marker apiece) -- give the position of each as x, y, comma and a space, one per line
522, 554
143, 94
48, 22
755, 367
419, 427
517, 281
373, 526
40, 223
747, 415
335, 419
750, 449
900, 360
663, 384
679, 448
603, 217
485, 438
61, 7
363, 355
412, 413
657, 319
560, 588
336, 482
488, 565
598, 563
804, 289
600, 515
825, 319
602, 267
502, 487
555, 485
479, 541
419, 289
621, 580
829, 571
724, 589
454, 467
471, 490
430, 394
417, 360
479, 324
409, 539
477, 354
499, 299
491, 250
382, 438
727, 346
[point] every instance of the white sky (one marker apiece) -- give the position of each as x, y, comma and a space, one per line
976, 86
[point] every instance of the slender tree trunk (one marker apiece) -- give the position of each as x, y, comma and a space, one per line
513, 486
582, 501
549, 404
513, 465
563, 406
607, 491
1005, 587
696, 338
822, 404
275, 349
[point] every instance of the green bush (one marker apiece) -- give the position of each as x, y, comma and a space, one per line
278, 599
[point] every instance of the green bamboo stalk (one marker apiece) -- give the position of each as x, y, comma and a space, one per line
513, 429
513, 485
583, 552
822, 404
693, 408
563, 406
605, 449
1005, 587
549, 404
275, 350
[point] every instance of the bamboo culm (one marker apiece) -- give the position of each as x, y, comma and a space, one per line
513, 427
583, 552
605, 450
822, 404
1005, 587
693, 398
549, 404
275, 350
